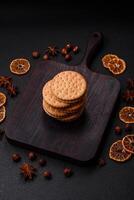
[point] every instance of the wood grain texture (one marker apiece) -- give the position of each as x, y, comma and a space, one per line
31, 127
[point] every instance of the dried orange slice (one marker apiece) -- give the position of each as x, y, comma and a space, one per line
118, 153
2, 99
107, 59
117, 66
20, 66
128, 143
2, 113
126, 114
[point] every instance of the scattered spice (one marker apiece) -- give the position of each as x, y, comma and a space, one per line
76, 50
130, 83
117, 129
68, 172
68, 57
128, 128
42, 162
52, 51
69, 47
35, 54
128, 96
6, 82
47, 174
12, 91
16, 157
32, 156
45, 57
63, 51
102, 162
28, 171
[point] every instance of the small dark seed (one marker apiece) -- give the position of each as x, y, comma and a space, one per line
68, 57
35, 54
68, 47
42, 162
63, 51
117, 129
45, 57
16, 157
76, 49
47, 174
68, 172
32, 156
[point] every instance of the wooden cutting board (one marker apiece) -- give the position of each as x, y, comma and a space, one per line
30, 127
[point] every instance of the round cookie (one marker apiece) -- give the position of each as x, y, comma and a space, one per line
72, 109
53, 116
69, 86
53, 112
72, 117
67, 118
50, 98
72, 102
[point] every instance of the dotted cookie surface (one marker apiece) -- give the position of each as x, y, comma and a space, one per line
50, 98
69, 86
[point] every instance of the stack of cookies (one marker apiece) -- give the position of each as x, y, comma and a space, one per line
64, 96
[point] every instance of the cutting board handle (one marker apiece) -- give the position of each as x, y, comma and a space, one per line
93, 46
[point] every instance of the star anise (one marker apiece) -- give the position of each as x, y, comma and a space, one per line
6, 82
52, 51
13, 91
28, 171
130, 83
128, 96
